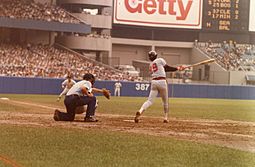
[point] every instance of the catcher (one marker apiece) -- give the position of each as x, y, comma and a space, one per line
79, 95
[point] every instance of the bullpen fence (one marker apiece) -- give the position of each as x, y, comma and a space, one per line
17, 85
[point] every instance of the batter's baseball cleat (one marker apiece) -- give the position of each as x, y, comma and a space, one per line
90, 119
165, 121
56, 115
138, 114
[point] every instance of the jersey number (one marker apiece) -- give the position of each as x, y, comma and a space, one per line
154, 67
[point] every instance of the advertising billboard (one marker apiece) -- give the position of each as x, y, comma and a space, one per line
159, 13
252, 15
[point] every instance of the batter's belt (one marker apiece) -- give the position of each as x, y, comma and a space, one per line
159, 78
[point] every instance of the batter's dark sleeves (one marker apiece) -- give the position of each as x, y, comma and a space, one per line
169, 68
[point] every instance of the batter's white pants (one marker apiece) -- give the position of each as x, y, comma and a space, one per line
157, 87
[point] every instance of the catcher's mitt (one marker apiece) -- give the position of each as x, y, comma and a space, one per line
106, 93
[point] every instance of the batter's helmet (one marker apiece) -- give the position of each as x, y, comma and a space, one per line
152, 55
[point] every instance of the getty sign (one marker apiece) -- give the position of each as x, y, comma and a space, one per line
159, 13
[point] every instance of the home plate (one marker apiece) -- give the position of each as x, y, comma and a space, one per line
128, 120
4, 98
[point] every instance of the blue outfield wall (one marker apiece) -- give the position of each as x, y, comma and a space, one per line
19, 85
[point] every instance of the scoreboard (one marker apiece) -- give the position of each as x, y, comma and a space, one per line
237, 16
226, 15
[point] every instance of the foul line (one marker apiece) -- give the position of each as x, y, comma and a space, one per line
8, 161
33, 104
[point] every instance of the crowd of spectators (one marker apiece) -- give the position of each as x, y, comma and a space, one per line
93, 34
28, 9
230, 55
47, 61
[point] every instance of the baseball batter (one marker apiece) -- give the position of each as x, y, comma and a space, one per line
158, 69
66, 85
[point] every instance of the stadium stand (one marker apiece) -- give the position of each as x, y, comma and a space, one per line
231, 56
47, 61
28, 9
76, 26
39, 15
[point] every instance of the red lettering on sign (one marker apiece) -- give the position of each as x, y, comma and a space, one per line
152, 6
171, 7
184, 12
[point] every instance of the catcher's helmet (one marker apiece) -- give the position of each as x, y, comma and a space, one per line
152, 55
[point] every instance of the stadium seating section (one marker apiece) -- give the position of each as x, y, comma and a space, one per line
230, 55
47, 61
28, 9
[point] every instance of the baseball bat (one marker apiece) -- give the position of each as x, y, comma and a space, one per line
201, 63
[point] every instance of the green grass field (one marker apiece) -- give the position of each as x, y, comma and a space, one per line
240, 110
58, 146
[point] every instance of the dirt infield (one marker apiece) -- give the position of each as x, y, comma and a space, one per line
225, 133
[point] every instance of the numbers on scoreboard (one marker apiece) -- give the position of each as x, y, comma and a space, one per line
226, 15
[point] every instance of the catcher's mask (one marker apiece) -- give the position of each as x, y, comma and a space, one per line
152, 55
89, 77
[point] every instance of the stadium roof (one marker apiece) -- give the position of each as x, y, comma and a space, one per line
44, 25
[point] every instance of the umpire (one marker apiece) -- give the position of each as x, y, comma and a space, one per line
80, 94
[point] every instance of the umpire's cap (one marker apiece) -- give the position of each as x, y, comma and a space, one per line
90, 77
